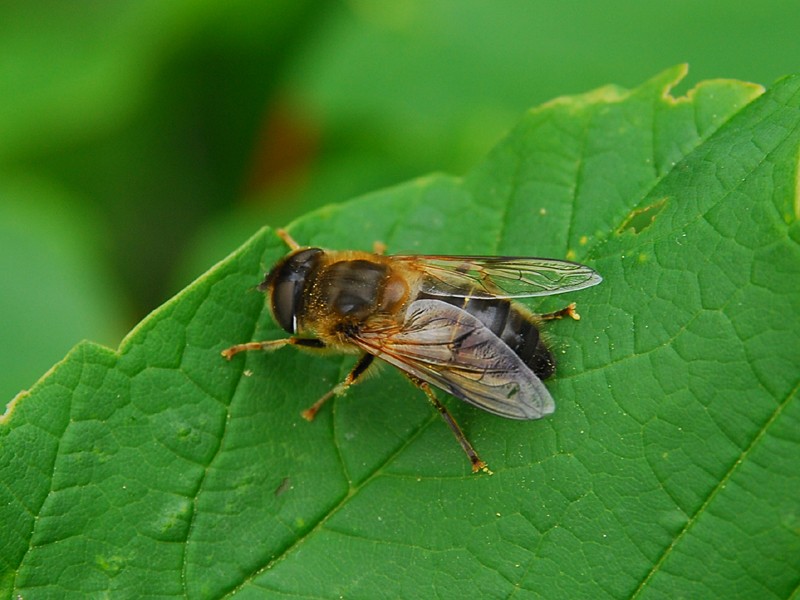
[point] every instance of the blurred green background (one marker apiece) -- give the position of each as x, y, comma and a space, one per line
141, 140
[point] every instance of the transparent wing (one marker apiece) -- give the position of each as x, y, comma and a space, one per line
449, 348
499, 276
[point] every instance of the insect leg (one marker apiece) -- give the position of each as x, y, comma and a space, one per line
352, 377
567, 311
287, 239
378, 248
477, 463
270, 345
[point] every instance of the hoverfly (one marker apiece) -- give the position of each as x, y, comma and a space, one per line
446, 321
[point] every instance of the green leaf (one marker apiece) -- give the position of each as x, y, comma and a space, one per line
60, 294
668, 469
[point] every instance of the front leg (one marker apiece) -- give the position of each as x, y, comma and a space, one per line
270, 345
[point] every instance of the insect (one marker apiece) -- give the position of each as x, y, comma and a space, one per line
443, 321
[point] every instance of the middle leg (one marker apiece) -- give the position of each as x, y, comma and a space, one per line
352, 377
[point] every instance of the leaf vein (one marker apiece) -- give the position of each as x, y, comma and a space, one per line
732, 469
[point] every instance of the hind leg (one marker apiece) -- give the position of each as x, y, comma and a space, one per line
474, 459
567, 311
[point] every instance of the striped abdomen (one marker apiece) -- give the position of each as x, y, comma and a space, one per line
512, 325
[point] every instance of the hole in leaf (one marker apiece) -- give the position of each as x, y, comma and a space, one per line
641, 218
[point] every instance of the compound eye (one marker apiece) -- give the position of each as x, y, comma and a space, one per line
287, 282
283, 295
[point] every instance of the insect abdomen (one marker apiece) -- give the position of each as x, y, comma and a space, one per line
513, 326
522, 335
